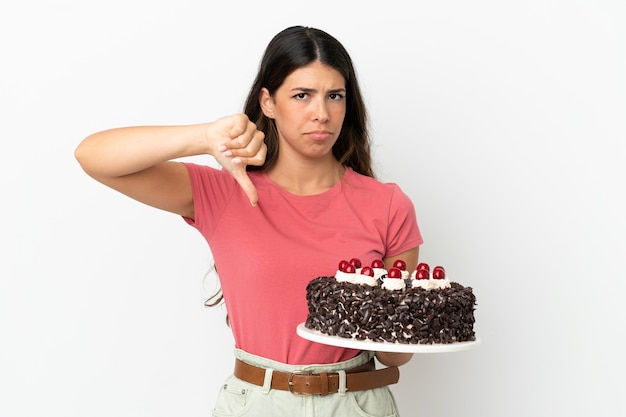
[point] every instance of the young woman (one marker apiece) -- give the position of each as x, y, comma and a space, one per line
296, 194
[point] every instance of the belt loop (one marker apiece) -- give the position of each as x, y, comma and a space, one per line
267, 382
342, 382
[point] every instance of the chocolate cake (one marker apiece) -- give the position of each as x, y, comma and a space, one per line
420, 309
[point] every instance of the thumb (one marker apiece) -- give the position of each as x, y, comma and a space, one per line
241, 176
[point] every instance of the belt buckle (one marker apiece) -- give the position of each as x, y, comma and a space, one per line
290, 382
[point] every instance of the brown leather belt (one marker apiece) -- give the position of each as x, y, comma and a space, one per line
322, 383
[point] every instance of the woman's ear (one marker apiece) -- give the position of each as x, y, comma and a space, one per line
266, 102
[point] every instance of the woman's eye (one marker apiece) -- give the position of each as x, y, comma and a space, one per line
301, 96
336, 96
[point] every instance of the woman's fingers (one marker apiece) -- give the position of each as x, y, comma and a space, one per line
249, 156
248, 146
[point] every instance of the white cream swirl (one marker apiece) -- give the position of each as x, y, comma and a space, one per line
430, 283
379, 272
394, 284
366, 280
441, 283
341, 276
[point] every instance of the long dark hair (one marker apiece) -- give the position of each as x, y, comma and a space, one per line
294, 48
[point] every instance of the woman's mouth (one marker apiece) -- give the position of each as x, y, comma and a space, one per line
319, 134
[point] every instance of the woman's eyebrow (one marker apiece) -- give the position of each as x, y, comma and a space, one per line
313, 90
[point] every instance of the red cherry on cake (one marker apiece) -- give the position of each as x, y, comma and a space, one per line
400, 264
423, 266
342, 265
439, 272
394, 273
356, 262
350, 269
367, 271
377, 263
422, 274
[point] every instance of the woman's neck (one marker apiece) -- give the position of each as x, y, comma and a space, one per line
311, 177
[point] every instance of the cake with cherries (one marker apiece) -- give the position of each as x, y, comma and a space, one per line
395, 305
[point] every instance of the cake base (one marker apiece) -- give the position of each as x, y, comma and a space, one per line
318, 337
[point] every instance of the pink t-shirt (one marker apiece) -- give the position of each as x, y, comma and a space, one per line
266, 255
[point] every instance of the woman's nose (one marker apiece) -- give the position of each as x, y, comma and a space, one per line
321, 111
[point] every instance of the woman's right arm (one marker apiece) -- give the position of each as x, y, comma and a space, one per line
137, 161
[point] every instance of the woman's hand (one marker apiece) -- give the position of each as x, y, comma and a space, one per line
235, 142
393, 359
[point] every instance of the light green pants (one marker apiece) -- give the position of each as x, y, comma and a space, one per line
240, 398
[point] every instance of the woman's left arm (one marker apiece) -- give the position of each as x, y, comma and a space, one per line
410, 257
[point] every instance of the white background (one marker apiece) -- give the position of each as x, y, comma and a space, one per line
503, 121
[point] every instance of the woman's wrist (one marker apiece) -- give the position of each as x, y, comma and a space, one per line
210, 138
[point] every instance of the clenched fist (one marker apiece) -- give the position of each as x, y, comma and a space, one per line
235, 142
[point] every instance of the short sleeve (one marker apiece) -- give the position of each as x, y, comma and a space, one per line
212, 191
403, 232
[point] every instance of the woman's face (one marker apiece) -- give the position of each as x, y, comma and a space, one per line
308, 108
